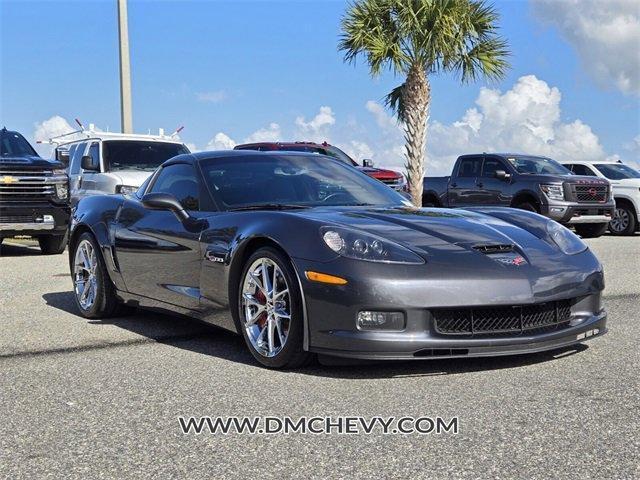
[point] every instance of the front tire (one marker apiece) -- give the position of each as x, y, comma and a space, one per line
528, 206
53, 244
591, 230
624, 221
94, 293
270, 310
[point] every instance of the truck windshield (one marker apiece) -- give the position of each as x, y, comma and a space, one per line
340, 155
617, 171
538, 166
12, 144
138, 154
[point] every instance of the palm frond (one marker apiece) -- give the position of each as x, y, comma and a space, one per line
394, 101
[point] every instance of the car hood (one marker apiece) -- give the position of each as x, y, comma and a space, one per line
29, 162
133, 178
577, 179
379, 173
627, 182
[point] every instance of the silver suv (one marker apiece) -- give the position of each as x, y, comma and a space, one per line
114, 162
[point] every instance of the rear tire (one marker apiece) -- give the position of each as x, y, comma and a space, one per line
254, 297
53, 244
624, 221
591, 230
88, 271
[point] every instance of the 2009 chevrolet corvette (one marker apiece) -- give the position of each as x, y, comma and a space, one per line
302, 254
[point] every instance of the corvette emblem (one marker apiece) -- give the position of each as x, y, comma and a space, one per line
7, 179
513, 260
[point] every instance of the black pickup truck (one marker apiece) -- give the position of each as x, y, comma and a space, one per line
537, 184
34, 194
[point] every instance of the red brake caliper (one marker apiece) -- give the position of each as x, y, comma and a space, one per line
262, 319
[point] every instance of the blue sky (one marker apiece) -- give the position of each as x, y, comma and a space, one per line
238, 68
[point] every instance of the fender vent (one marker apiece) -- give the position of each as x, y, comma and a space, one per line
488, 249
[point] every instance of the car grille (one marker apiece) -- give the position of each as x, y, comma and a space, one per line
16, 218
591, 193
26, 185
507, 320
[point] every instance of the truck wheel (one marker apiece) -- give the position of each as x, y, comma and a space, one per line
623, 222
53, 244
591, 230
529, 207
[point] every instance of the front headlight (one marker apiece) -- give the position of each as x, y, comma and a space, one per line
565, 239
553, 191
363, 246
59, 171
62, 191
126, 189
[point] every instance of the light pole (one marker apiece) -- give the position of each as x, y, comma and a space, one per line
125, 69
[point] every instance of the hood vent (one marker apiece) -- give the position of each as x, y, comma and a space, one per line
489, 249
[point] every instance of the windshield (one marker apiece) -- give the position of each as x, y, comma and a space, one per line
538, 166
340, 155
617, 171
292, 180
12, 144
138, 154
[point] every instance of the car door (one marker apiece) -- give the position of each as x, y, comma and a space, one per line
90, 178
463, 190
494, 191
159, 256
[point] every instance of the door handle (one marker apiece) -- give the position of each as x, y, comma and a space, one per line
480, 184
454, 185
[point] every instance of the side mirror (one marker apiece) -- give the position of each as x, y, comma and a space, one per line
367, 163
502, 175
63, 157
87, 164
165, 201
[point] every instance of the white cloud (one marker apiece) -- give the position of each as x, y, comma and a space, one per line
358, 150
220, 141
47, 129
212, 97
385, 121
272, 133
605, 34
318, 127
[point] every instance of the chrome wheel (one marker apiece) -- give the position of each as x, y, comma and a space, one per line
266, 304
620, 221
84, 274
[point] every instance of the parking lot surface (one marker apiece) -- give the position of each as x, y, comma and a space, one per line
101, 399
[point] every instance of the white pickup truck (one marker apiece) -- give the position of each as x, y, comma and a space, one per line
625, 182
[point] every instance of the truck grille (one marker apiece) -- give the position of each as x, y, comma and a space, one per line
22, 185
591, 193
508, 320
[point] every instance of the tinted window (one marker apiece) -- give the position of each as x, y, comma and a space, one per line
12, 144
491, 166
617, 171
94, 153
583, 170
299, 180
138, 154
76, 157
470, 167
180, 181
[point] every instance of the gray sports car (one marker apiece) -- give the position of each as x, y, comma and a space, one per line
302, 254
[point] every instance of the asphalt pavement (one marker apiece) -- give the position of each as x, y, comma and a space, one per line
92, 399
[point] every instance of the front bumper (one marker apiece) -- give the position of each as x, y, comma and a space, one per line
571, 214
33, 219
417, 291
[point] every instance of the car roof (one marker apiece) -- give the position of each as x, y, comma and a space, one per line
592, 162
284, 144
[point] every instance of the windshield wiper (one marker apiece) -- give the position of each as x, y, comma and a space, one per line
269, 206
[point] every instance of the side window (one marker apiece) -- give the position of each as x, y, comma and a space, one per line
75, 154
94, 152
491, 166
470, 167
583, 170
180, 181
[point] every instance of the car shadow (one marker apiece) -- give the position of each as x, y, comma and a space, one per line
18, 249
190, 334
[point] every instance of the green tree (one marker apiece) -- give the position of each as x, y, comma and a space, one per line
418, 38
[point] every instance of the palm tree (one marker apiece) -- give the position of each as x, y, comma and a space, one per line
418, 38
